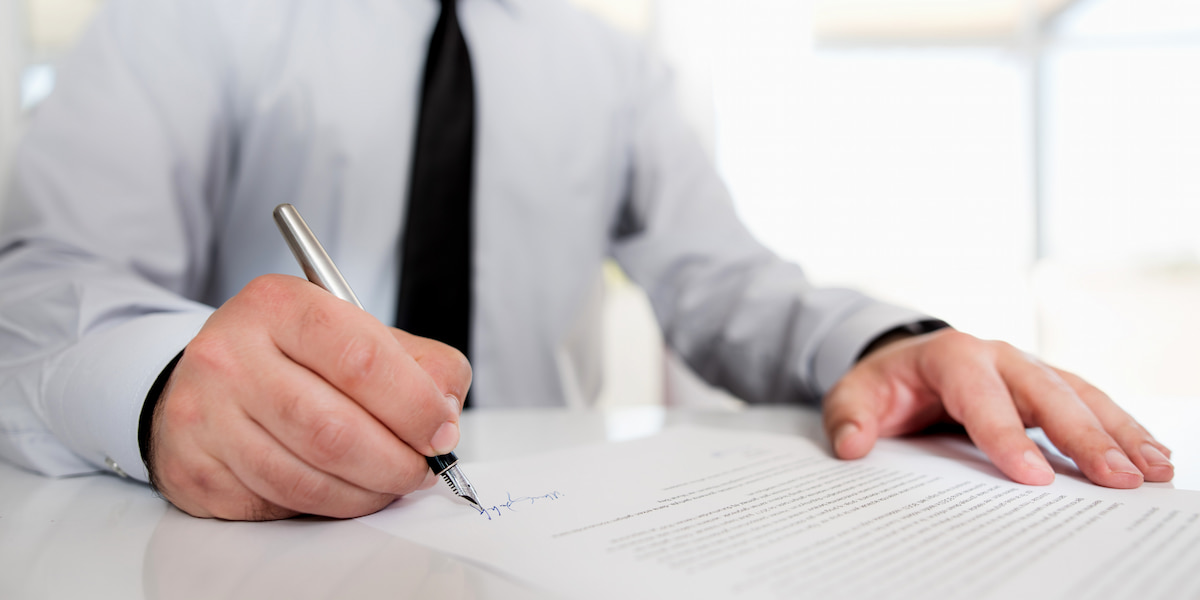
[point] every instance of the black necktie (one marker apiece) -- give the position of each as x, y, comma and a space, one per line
435, 277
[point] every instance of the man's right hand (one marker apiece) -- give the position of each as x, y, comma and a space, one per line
291, 401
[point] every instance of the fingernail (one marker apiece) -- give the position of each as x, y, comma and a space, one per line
1154, 457
446, 438
1118, 463
1037, 461
454, 403
843, 432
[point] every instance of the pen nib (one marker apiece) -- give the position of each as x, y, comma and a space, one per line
446, 466
458, 482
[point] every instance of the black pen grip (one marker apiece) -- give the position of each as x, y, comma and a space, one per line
440, 464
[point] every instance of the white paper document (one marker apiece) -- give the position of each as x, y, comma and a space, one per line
703, 513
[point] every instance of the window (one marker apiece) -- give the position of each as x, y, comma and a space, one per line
1120, 282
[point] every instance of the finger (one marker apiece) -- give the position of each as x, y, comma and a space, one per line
310, 417
976, 396
214, 492
332, 433
272, 472
448, 367
883, 395
851, 415
1150, 456
358, 355
183, 472
202, 486
1050, 403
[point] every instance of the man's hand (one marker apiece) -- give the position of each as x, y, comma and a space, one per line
292, 401
995, 391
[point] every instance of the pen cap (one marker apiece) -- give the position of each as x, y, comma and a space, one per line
439, 464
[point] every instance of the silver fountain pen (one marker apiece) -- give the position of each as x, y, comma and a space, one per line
319, 269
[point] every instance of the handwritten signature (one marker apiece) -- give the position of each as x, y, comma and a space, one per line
513, 503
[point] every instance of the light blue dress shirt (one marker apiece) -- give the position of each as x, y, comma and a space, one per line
145, 184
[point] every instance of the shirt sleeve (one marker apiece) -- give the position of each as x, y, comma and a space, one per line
738, 315
106, 236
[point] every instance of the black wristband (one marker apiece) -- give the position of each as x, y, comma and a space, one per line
146, 420
907, 330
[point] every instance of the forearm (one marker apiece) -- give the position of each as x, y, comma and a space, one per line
79, 347
767, 335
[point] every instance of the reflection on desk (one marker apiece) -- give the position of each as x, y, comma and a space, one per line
104, 537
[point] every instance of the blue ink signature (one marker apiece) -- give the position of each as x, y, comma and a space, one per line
512, 503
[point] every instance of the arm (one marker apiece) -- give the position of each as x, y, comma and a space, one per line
749, 322
103, 240
741, 317
285, 398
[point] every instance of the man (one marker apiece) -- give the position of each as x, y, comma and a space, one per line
144, 189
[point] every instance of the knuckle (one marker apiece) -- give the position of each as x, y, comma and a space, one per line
1093, 395
1003, 348
316, 315
291, 409
954, 341
272, 289
194, 489
451, 370
1129, 428
179, 414
445, 352
210, 354
358, 361
202, 480
331, 441
460, 367
1087, 439
956, 337
309, 491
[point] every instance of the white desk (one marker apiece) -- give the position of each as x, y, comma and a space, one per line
104, 537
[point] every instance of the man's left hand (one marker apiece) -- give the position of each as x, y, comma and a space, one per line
994, 391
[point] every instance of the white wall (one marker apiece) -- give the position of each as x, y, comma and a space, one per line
1118, 295
901, 171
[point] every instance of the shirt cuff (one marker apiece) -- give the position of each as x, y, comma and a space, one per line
845, 343
93, 392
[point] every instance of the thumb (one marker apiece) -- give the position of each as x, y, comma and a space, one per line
851, 417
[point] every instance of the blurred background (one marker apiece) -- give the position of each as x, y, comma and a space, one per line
1028, 170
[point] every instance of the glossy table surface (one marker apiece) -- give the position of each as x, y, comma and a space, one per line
104, 537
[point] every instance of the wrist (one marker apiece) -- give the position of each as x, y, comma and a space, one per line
146, 419
902, 332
